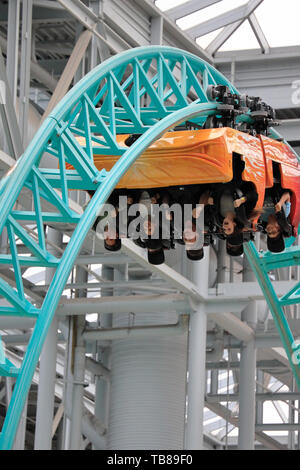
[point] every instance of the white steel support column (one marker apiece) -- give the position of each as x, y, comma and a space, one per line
221, 278
157, 27
67, 394
247, 397
9, 381
291, 417
19, 443
45, 402
78, 390
12, 138
79, 371
260, 377
98, 47
221, 266
25, 68
103, 354
197, 359
247, 383
46, 389
13, 47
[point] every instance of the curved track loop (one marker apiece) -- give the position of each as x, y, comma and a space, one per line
262, 264
144, 91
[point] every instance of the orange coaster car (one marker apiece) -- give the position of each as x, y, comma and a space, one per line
205, 156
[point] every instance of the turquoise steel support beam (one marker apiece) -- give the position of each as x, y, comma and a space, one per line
102, 105
67, 261
275, 306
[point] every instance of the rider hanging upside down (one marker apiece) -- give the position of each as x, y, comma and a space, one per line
275, 220
229, 212
234, 208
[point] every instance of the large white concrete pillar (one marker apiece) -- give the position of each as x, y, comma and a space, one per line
148, 375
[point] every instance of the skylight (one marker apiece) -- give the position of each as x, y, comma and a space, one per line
279, 22
209, 13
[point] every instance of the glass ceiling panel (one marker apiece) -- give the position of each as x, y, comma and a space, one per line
205, 40
209, 13
278, 20
242, 39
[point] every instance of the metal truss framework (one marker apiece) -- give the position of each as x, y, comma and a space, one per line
103, 104
41, 186
230, 21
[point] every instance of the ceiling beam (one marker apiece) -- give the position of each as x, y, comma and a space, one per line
238, 14
37, 72
47, 4
259, 34
189, 7
254, 55
55, 47
8, 114
69, 71
227, 415
222, 37
87, 18
172, 32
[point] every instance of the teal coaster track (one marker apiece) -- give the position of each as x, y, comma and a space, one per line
143, 91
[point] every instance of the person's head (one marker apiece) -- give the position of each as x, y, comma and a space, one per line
236, 239
192, 241
155, 251
276, 245
129, 200
111, 239
150, 227
112, 244
155, 197
234, 250
189, 233
275, 240
197, 211
156, 257
195, 255
229, 224
273, 228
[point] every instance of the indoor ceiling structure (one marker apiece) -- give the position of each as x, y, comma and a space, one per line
256, 45
226, 25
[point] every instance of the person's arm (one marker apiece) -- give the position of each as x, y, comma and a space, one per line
238, 202
251, 197
284, 224
286, 197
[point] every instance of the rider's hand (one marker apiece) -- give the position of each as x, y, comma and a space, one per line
238, 202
